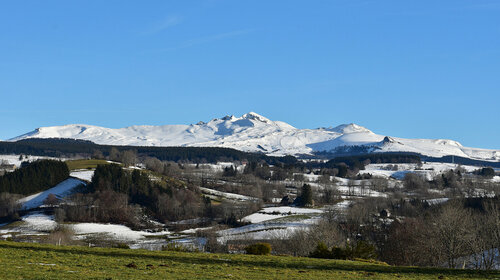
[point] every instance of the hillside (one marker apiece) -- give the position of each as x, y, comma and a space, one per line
34, 261
254, 133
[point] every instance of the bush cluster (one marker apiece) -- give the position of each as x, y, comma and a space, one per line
259, 249
358, 250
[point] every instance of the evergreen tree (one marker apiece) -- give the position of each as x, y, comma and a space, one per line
305, 198
34, 177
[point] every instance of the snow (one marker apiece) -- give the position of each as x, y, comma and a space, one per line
254, 133
342, 205
219, 166
194, 230
271, 213
119, 232
35, 223
435, 201
227, 195
62, 190
14, 159
292, 210
400, 171
427, 170
85, 175
39, 222
259, 217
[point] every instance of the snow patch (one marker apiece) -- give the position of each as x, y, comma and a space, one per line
85, 175
119, 232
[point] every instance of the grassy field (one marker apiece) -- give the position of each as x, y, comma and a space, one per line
35, 261
84, 163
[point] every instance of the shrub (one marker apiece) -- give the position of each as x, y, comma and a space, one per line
61, 235
121, 245
361, 250
486, 172
321, 252
339, 253
259, 249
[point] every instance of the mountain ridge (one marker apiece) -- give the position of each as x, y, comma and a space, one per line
255, 133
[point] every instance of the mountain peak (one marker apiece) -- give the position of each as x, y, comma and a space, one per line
350, 128
255, 116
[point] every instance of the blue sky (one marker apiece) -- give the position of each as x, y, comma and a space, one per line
413, 69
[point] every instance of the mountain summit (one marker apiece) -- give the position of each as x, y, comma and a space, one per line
255, 133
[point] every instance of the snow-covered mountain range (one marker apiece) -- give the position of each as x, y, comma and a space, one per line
255, 133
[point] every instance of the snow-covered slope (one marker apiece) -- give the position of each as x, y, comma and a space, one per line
255, 133
62, 190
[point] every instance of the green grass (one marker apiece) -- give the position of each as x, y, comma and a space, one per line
36, 261
84, 163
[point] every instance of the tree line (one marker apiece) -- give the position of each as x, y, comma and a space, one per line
34, 177
70, 147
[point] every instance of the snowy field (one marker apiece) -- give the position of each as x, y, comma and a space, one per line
273, 222
226, 195
116, 232
219, 167
14, 159
428, 170
85, 175
32, 224
271, 213
267, 229
40, 224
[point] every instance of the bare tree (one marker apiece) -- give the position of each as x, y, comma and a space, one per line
114, 154
351, 186
409, 242
329, 194
487, 242
51, 200
97, 154
154, 164
454, 233
129, 157
414, 182
9, 205
379, 184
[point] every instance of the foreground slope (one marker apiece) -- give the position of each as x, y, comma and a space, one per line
35, 261
255, 133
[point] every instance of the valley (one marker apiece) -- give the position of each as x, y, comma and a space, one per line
249, 203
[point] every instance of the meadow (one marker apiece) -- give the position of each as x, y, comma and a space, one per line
39, 261
84, 163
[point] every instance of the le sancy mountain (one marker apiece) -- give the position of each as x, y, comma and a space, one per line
255, 133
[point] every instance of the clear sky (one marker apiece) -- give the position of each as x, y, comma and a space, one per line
412, 69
